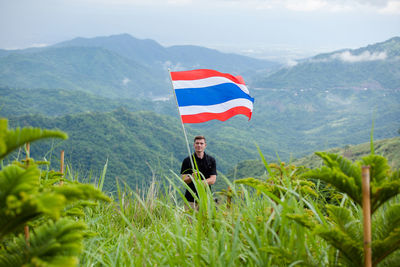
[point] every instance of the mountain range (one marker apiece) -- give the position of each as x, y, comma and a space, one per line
115, 66
113, 96
375, 66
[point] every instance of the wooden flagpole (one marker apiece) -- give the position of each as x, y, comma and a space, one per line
366, 216
183, 127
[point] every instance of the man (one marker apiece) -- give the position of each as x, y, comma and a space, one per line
206, 165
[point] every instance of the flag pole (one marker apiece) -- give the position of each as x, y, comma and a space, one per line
366, 205
183, 127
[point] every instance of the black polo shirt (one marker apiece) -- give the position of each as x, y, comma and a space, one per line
207, 166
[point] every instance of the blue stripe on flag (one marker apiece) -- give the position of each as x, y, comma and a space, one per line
210, 95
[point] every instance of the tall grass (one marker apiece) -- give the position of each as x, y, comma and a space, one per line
153, 229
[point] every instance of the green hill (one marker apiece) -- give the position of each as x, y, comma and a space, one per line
285, 122
58, 102
94, 70
138, 145
389, 148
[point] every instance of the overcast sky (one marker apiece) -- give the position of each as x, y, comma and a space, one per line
258, 27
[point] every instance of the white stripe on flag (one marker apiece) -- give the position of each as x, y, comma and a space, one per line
218, 108
183, 84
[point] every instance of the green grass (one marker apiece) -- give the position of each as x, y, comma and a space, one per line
154, 229
279, 220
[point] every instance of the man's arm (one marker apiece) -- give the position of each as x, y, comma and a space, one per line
186, 178
211, 180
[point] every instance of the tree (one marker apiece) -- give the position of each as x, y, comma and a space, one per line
343, 225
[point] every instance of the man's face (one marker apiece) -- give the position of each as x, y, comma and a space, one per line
200, 145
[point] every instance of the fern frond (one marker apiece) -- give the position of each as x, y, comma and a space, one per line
285, 257
392, 260
20, 200
386, 238
350, 250
344, 233
344, 219
305, 220
335, 161
51, 244
380, 195
380, 169
12, 139
261, 187
384, 184
338, 179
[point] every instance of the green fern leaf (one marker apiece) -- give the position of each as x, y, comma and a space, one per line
351, 251
380, 169
386, 238
20, 200
335, 177
52, 244
12, 139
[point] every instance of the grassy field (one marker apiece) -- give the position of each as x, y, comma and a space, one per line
292, 216
284, 220
155, 230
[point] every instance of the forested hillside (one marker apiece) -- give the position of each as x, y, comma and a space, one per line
79, 87
375, 66
56, 102
388, 148
115, 66
137, 145
94, 70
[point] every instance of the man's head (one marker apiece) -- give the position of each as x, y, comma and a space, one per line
200, 144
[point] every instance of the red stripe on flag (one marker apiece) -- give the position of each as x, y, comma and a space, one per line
202, 74
203, 117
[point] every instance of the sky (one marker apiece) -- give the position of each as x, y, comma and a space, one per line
273, 29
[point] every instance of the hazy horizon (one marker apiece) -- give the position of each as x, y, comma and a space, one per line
269, 29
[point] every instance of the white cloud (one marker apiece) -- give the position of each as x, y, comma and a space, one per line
39, 45
307, 5
291, 63
125, 81
347, 56
379, 6
392, 7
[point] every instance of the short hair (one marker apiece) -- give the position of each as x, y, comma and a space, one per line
200, 137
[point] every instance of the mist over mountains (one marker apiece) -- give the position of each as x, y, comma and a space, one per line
375, 66
106, 92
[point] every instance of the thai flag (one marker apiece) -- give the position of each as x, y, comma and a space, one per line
204, 95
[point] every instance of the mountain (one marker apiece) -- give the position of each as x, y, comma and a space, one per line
94, 70
375, 66
114, 66
287, 123
181, 57
146, 52
138, 145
